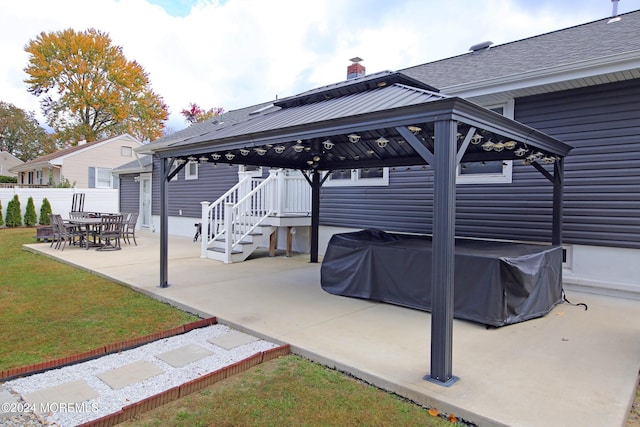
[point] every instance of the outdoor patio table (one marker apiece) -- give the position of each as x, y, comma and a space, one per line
89, 224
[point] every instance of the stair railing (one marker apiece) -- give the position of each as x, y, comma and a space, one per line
213, 214
247, 214
247, 204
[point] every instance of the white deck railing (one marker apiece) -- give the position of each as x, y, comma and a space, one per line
238, 212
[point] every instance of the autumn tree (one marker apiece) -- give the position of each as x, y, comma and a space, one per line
21, 134
89, 90
197, 114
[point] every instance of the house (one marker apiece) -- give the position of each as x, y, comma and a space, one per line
580, 85
8, 161
86, 165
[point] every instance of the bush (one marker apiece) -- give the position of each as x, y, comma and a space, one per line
13, 218
8, 179
30, 218
45, 210
1, 217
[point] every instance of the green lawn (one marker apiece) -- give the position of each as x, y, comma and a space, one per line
49, 310
289, 391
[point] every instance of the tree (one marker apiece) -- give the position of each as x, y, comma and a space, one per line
13, 212
1, 218
45, 210
21, 134
196, 114
90, 90
30, 217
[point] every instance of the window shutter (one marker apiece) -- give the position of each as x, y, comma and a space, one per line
92, 177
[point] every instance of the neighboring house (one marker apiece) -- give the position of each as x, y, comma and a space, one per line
8, 161
86, 165
580, 85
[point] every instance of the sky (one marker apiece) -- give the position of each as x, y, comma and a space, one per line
238, 53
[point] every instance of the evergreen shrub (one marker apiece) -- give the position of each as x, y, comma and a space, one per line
13, 218
30, 218
45, 210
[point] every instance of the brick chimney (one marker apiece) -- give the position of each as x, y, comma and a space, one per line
355, 70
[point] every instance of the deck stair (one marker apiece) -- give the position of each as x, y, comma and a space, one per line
246, 216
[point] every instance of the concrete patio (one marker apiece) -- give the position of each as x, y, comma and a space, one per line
569, 368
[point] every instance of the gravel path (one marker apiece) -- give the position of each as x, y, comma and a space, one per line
110, 400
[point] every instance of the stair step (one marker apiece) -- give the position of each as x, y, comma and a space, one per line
221, 250
242, 242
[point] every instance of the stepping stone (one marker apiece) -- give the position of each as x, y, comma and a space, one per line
71, 392
184, 355
130, 374
232, 340
7, 398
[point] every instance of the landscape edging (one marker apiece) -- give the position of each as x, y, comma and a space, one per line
36, 368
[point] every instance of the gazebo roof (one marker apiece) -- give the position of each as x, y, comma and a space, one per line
311, 130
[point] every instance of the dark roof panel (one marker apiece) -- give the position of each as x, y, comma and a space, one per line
349, 87
379, 99
567, 46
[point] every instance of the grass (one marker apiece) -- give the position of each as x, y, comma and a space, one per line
50, 310
289, 391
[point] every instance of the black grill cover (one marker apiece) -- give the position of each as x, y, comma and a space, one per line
496, 283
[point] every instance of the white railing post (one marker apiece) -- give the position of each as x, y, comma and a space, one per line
204, 228
228, 230
276, 195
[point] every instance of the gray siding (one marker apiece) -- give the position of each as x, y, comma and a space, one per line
129, 194
213, 182
602, 185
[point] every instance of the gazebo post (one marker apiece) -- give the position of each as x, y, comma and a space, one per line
558, 178
164, 223
444, 213
315, 214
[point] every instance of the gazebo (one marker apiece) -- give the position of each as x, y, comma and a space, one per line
385, 119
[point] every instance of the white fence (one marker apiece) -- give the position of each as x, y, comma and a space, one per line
95, 200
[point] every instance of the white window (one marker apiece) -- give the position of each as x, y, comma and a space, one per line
173, 168
126, 151
375, 176
39, 177
191, 170
103, 178
491, 172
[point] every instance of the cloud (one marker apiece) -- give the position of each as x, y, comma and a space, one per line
238, 53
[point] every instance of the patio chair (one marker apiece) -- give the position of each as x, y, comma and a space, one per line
109, 232
61, 231
77, 230
129, 229
54, 229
